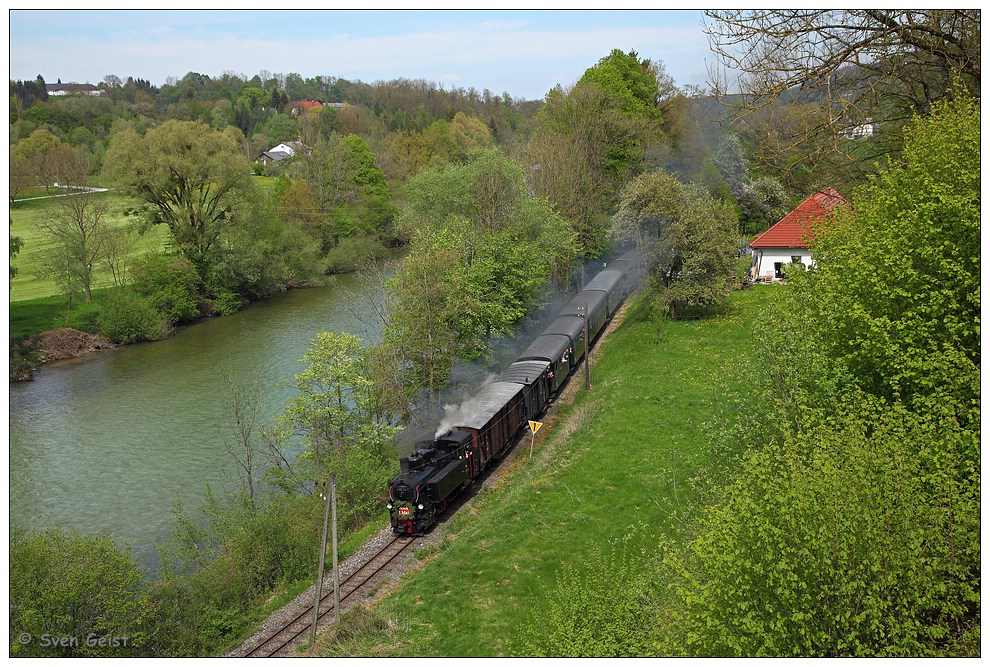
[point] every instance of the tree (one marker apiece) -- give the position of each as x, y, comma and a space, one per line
334, 416
16, 243
191, 177
855, 66
634, 83
908, 327
76, 225
508, 242
242, 427
429, 312
590, 139
856, 529
281, 127
688, 237
31, 159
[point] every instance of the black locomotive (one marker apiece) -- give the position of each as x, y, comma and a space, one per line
484, 428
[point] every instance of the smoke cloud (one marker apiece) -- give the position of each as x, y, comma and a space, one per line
454, 414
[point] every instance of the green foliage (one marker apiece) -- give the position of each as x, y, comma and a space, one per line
908, 325
858, 536
279, 128
70, 592
631, 81
334, 417
584, 147
190, 177
856, 529
481, 249
169, 283
688, 236
127, 317
214, 575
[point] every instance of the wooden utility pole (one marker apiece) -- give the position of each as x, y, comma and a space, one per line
336, 570
329, 499
587, 349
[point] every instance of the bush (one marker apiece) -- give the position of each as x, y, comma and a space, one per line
599, 610
78, 587
859, 536
170, 283
227, 303
127, 317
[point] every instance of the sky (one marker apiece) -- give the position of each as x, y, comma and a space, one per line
519, 51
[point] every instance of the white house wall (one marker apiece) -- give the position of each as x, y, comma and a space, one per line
764, 259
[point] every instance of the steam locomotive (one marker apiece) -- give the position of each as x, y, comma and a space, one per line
482, 430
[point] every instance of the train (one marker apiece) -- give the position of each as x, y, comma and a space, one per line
482, 431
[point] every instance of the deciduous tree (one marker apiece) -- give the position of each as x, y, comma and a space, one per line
75, 225
688, 236
854, 66
190, 176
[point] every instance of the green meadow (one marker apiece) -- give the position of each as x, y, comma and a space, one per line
31, 281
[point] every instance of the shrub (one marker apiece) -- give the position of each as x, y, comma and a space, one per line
859, 536
127, 317
73, 586
598, 610
170, 283
227, 303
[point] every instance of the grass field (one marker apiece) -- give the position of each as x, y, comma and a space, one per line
29, 283
618, 461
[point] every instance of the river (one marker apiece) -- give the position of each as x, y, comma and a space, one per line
112, 440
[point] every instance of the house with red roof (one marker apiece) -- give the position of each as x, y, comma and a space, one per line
787, 242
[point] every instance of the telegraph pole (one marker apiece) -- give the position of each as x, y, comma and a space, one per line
331, 483
583, 311
336, 570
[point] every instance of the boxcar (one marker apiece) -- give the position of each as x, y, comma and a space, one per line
499, 412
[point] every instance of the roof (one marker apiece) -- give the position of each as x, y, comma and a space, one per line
568, 325
547, 346
478, 411
524, 372
797, 227
605, 281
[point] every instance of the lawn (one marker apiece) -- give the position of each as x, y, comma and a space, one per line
30, 283
618, 462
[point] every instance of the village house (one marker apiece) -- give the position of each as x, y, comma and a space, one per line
60, 89
284, 150
787, 242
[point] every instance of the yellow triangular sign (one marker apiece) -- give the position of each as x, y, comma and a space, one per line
535, 426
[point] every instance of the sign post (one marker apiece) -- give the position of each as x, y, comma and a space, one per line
533, 428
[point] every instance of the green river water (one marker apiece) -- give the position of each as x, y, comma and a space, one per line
112, 440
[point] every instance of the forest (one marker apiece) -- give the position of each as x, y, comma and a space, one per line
873, 424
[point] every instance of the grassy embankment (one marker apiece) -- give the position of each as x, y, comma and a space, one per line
616, 461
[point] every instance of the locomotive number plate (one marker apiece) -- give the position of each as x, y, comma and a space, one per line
403, 511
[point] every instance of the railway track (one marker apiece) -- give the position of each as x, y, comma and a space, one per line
361, 580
